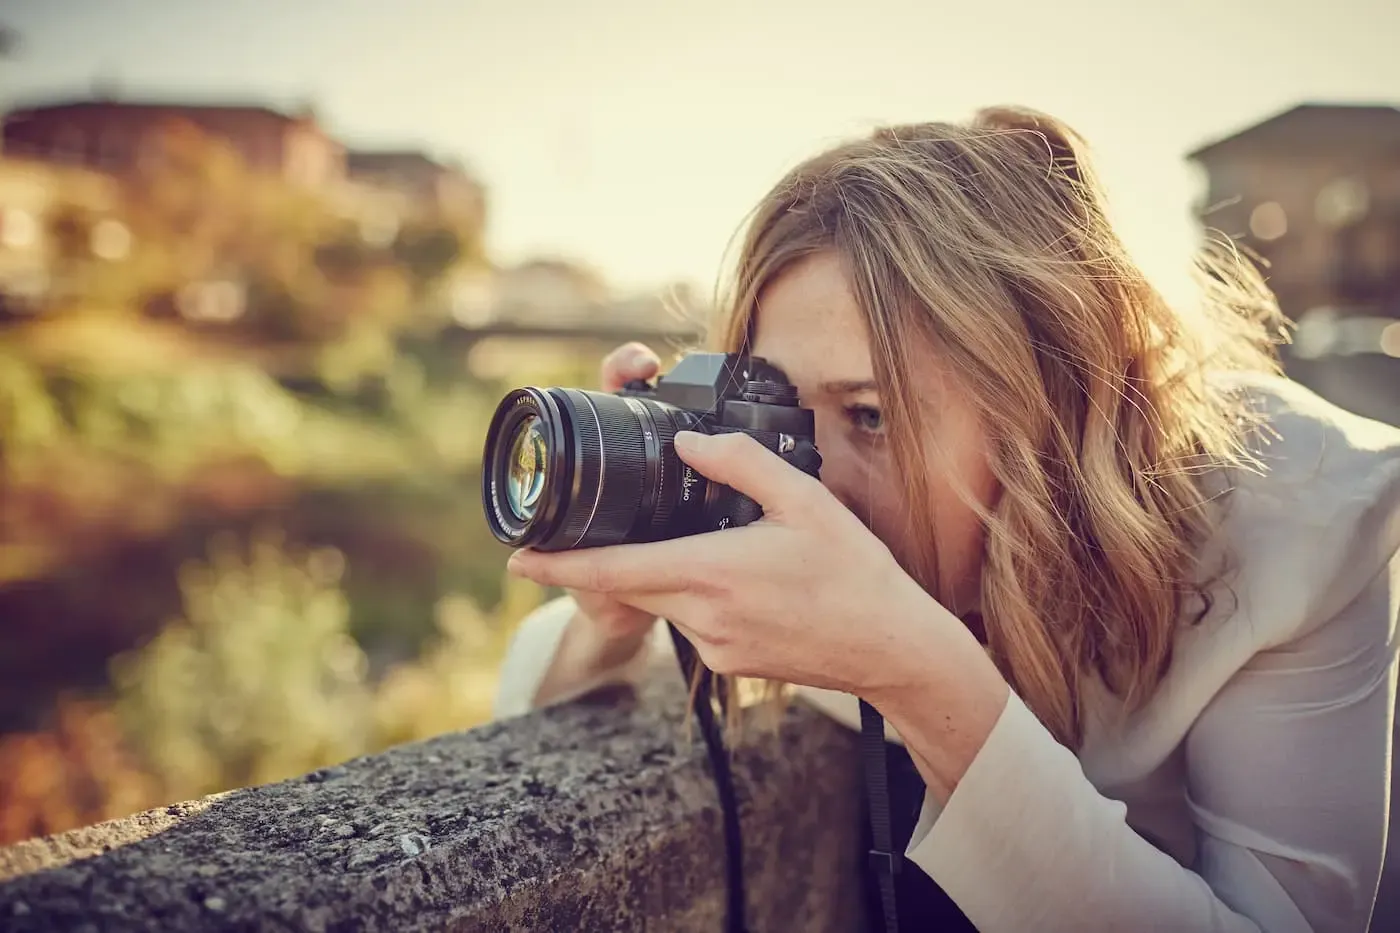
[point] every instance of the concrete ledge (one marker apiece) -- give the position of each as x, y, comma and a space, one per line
597, 815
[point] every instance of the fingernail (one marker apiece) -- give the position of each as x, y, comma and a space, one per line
688, 442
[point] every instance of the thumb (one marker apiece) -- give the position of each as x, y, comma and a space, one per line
741, 462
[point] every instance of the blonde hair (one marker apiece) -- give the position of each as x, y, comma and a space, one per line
989, 244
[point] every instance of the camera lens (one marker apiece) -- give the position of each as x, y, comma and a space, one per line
568, 468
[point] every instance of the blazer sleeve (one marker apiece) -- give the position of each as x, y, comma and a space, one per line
1287, 784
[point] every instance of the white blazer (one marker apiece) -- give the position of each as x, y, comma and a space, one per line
1251, 792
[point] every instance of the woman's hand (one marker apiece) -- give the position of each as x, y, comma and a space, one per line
806, 595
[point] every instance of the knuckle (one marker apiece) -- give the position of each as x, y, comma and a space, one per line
719, 661
742, 440
709, 577
716, 625
737, 444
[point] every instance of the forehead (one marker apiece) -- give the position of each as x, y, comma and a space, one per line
809, 324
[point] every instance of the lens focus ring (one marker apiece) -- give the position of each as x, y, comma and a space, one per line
611, 465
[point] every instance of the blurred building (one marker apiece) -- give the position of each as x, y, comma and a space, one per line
423, 183
1315, 192
550, 291
383, 189
34, 196
111, 135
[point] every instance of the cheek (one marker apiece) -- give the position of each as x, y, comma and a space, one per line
861, 478
959, 536
865, 480
960, 533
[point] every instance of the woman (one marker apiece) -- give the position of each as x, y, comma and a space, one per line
1126, 596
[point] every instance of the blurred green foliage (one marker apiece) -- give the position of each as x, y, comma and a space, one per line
258, 679
238, 548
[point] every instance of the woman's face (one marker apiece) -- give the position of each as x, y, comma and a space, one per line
809, 324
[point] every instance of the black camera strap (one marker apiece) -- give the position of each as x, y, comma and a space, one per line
884, 861
895, 793
691, 665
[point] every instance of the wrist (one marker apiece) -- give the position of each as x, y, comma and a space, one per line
912, 651
939, 690
603, 644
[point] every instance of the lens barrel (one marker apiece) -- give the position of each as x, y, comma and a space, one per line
569, 468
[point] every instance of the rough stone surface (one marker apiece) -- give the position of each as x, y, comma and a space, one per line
597, 815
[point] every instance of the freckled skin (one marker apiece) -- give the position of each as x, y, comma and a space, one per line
809, 324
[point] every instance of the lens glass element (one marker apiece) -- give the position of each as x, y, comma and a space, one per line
526, 477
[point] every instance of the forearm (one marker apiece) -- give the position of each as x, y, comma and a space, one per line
1018, 837
1015, 832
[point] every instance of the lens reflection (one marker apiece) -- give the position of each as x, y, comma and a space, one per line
526, 475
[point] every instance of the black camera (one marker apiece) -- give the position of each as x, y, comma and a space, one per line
570, 468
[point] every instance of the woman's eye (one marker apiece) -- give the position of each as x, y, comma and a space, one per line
866, 418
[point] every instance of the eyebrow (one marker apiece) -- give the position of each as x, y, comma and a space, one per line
848, 386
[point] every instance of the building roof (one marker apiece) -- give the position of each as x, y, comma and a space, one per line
1357, 126
154, 107
368, 160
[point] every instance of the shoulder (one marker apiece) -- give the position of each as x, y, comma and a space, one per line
1319, 518
1304, 439
1304, 543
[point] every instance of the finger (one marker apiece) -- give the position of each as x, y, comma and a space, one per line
741, 462
693, 613
629, 361
678, 564
679, 608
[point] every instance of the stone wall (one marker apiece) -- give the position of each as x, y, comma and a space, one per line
597, 815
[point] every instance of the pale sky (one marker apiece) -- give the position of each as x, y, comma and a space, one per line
636, 135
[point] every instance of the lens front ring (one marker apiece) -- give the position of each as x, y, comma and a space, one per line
557, 485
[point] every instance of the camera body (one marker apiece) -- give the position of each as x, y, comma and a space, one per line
723, 393
568, 468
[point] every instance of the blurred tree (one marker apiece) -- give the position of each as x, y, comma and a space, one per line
346, 255
80, 771
30, 418
258, 682
452, 685
329, 404
200, 217
428, 250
